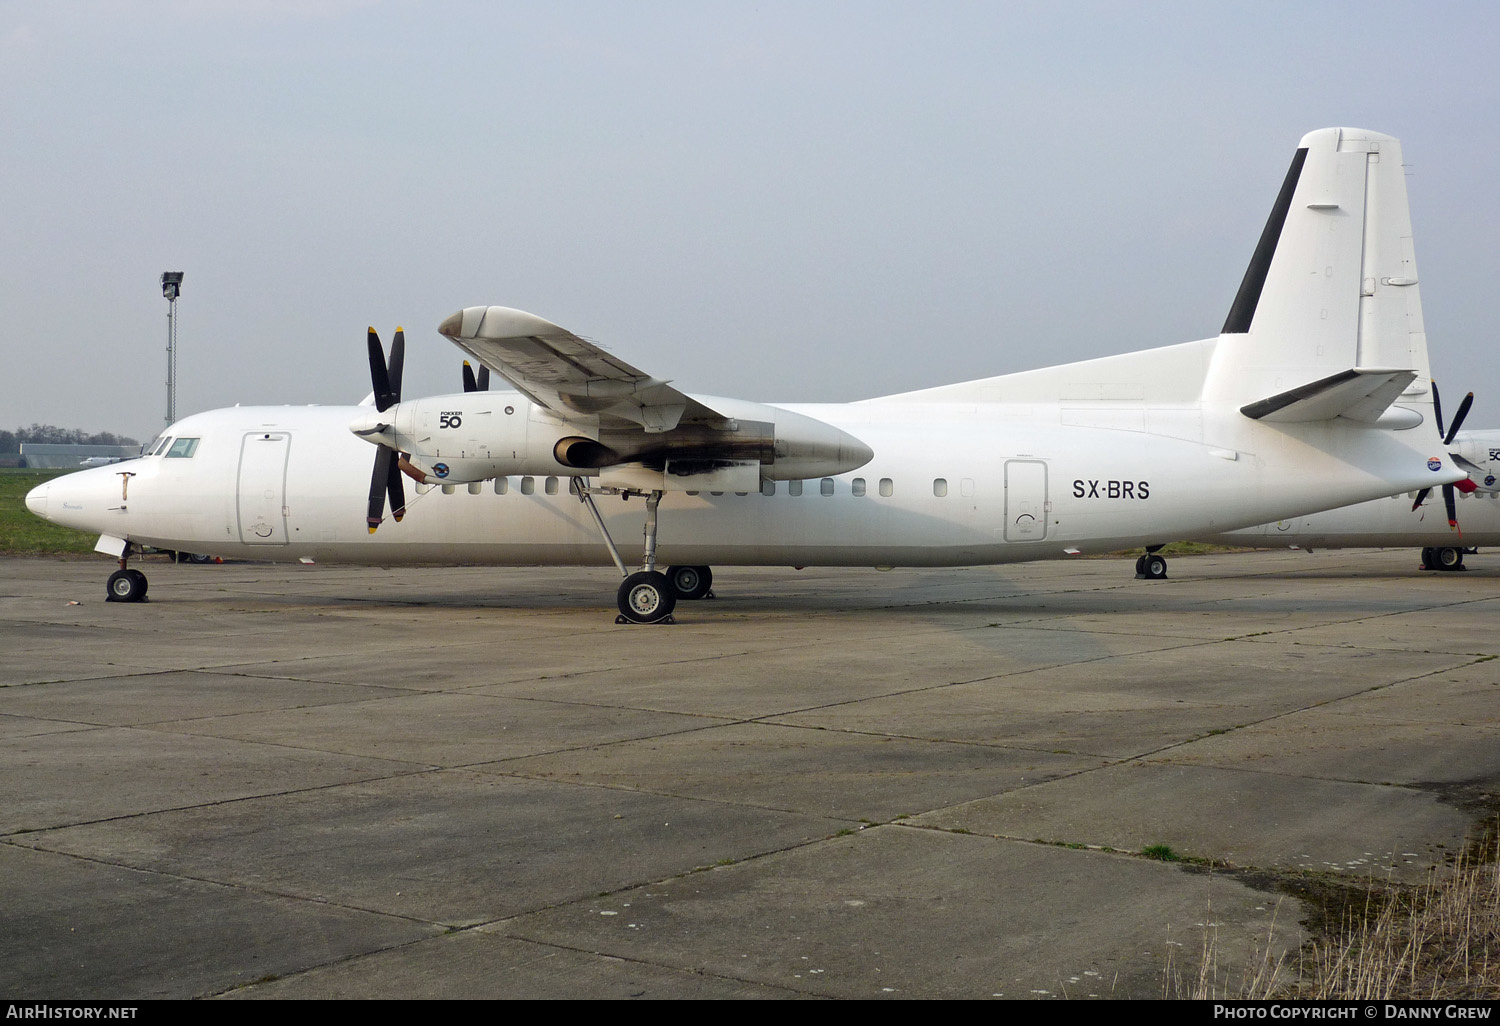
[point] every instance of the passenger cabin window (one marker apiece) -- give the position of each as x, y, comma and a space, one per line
857, 486
183, 449
886, 487
768, 488
794, 487
940, 486
827, 486
502, 485
528, 486
551, 486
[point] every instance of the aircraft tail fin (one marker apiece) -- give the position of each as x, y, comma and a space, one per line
1330, 291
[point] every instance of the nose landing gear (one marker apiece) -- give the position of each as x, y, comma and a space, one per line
125, 585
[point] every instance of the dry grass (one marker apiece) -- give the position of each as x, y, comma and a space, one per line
1436, 941
1265, 977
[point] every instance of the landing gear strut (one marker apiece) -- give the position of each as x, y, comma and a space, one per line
646, 596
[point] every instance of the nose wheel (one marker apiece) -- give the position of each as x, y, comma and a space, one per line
125, 585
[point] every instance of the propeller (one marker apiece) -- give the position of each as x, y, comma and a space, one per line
385, 479
1449, 500
471, 384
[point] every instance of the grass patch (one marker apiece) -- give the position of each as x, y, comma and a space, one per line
1435, 941
1179, 549
24, 534
1161, 853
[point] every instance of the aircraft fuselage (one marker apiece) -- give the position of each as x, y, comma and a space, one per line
948, 485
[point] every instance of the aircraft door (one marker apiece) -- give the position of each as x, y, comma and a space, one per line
262, 487
1025, 500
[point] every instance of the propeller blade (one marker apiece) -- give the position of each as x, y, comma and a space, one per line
378, 487
1458, 418
379, 379
470, 385
1421, 498
398, 361
1448, 504
385, 477
484, 378
1437, 408
394, 489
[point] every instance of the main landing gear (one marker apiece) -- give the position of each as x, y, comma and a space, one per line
1151, 567
648, 595
691, 582
125, 585
1444, 558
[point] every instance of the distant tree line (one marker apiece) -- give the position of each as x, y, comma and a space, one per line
10, 441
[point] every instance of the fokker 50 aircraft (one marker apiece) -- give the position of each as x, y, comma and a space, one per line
1305, 401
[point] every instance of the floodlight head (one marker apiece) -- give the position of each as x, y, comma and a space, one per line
171, 284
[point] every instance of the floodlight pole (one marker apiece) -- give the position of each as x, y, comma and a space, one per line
171, 287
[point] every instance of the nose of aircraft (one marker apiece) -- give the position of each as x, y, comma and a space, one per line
36, 500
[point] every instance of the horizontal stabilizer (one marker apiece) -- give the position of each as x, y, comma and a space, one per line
1361, 394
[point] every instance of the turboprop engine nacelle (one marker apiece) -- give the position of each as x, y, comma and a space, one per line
475, 436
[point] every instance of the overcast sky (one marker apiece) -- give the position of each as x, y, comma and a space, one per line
781, 201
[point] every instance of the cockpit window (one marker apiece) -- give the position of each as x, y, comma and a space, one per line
183, 449
157, 446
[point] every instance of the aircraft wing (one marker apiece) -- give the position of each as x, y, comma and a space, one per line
570, 375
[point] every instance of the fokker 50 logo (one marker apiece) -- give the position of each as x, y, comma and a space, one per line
1434, 464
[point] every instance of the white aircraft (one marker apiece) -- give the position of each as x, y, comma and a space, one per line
1305, 401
